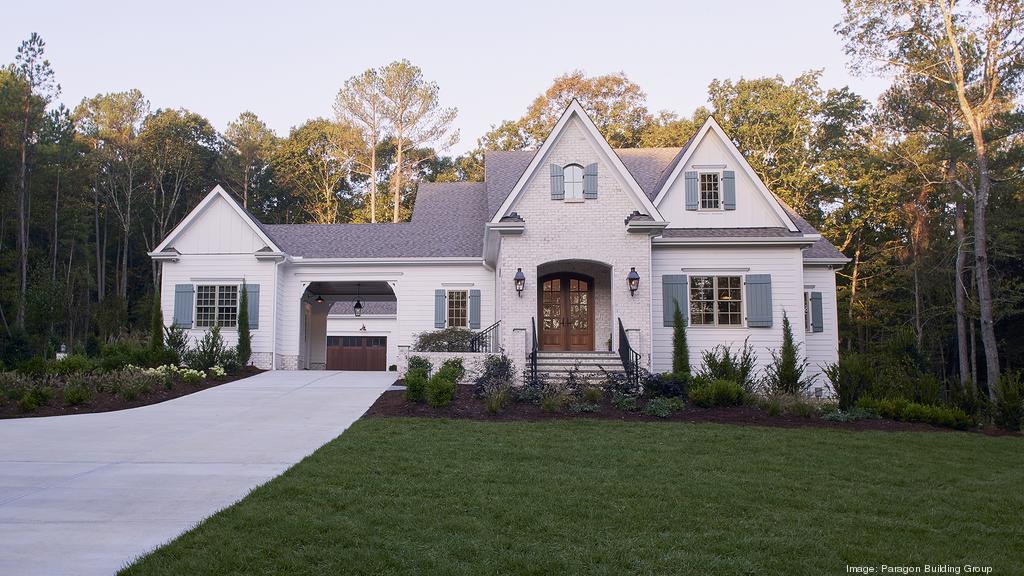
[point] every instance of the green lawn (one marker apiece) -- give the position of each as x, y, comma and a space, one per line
419, 496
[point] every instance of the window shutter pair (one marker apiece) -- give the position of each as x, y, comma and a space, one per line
817, 318
441, 309
183, 298
674, 289
728, 190
589, 182
759, 300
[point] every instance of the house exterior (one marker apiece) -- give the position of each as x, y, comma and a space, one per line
555, 250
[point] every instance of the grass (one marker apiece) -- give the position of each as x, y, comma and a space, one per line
423, 496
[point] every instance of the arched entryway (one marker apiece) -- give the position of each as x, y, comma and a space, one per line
348, 325
566, 312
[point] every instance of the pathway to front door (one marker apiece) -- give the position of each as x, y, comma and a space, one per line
85, 494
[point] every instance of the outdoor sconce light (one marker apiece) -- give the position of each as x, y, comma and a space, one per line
633, 279
520, 280
358, 308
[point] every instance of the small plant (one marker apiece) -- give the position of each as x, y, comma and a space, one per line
416, 385
496, 399
419, 363
1008, 409
852, 415
592, 395
440, 389
494, 384
209, 351
393, 368
624, 402
76, 394
217, 372
176, 340
664, 386
786, 373
454, 368
662, 407
708, 393
554, 399
34, 397
583, 407
192, 376
721, 363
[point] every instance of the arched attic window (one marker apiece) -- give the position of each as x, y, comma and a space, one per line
573, 182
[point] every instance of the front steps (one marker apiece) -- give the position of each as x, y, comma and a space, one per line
590, 365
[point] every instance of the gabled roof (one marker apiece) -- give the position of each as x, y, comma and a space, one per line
244, 214
711, 125
447, 222
575, 110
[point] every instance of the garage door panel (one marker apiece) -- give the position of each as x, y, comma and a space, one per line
357, 353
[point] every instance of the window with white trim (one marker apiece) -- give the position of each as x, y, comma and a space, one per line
216, 305
573, 174
710, 191
716, 300
458, 309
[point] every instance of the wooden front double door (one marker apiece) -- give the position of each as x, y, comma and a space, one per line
566, 312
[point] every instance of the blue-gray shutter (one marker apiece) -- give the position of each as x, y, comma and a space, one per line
674, 289
557, 183
759, 300
729, 189
474, 309
439, 308
183, 305
252, 292
691, 191
817, 321
590, 181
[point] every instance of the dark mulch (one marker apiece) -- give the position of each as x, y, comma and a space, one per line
106, 402
465, 406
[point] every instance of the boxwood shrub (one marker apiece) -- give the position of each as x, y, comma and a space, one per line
906, 411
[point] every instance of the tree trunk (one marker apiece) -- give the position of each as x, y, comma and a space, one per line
99, 249
961, 294
19, 319
918, 326
56, 222
988, 333
373, 183
398, 179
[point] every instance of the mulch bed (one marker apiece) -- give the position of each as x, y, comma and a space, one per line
465, 406
106, 402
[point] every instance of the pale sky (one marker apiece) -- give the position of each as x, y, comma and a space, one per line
286, 61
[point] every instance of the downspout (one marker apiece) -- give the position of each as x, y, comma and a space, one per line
273, 322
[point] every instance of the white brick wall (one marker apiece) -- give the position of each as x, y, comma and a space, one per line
593, 230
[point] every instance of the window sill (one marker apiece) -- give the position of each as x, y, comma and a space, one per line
574, 200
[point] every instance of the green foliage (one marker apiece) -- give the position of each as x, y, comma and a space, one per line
441, 388
419, 363
243, 350
453, 369
416, 385
906, 411
785, 375
73, 364
854, 414
77, 393
176, 340
583, 407
495, 383
34, 397
156, 326
555, 400
850, 378
446, 340
721, 363
663, 407
707, 393
624, 402
664, 386
680, 350
209, 351
791, 404
1009, 402
592, 395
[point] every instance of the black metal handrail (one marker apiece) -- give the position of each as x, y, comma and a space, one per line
533, 354
630, 358
485, 340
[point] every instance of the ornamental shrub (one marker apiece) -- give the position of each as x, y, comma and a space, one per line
707, 393
244, 347
454, 369
680, 350
850, 378
663, 407
209, 351
665, 385
419, 363
416, 385
441, 388
446, 340
907, 411
1009, 402
786, 373
721, 363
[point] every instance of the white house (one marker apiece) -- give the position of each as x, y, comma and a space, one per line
575, 219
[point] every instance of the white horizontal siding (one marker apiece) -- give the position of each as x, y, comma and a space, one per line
823, 347
783, 263
222, 269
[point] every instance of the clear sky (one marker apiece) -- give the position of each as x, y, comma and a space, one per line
285, 61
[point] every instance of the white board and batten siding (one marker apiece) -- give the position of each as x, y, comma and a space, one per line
218, 229
784, 264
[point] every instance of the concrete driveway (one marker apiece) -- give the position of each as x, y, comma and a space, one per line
85, 494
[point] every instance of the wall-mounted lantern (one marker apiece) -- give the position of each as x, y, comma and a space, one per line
520, 280
633, 280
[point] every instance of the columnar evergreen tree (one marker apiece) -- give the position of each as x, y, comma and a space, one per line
680, 351
786, 372
244, 336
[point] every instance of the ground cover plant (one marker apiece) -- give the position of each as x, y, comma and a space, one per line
435, 496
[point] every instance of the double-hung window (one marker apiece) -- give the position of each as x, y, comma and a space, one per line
710, 191
716, 300
216, 305
458, 309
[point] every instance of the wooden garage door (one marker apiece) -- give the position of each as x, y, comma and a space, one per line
357, 352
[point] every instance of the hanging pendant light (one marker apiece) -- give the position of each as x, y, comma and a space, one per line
358, 308
319, 299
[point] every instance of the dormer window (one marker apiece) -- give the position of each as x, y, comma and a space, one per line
710, 191
573, 183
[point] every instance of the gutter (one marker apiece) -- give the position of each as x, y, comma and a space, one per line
736, 241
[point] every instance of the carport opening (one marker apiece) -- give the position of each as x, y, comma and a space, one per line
347, 325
